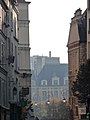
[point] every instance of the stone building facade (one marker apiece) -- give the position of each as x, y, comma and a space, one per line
52, 80
10, 54
37, 62
24, 49
78, 51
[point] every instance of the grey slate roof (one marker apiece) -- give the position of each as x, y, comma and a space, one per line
21, 1
33, 77
82, 27
59, 70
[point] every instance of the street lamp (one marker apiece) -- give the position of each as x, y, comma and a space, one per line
48, 102
35, 104
14, 92
64, 100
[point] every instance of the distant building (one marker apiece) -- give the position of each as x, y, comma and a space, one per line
51, 82
37, 62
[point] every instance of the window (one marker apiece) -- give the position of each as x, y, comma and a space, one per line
65, 80
15, 27
88, 49
44, 82
56, 94
3, 93
11, 17
0, 16
44, 95
0, 91
4, 21
76, 110
55, 80
16, 58
2, 53
89, 26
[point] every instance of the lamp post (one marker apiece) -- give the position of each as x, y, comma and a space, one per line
48, 109
35, 109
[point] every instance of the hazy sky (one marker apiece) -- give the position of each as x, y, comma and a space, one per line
49, 26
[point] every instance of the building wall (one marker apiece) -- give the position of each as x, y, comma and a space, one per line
11, 40
37, 62
53, 92
24, 50
76, 55
8, 55
88, 29
54, 86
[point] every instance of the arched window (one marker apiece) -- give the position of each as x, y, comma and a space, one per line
44, 82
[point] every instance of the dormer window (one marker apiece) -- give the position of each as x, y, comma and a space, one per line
44, 82
65, 81
55, 80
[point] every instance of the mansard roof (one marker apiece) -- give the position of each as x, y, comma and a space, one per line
21, 0
82, 27
52, 70
78, 28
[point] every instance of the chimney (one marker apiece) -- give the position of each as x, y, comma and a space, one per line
77, 15
78, 12
50, 54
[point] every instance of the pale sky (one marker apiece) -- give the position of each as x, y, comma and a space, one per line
49, 26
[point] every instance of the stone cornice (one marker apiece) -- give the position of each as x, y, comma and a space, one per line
73, 45
23, 48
